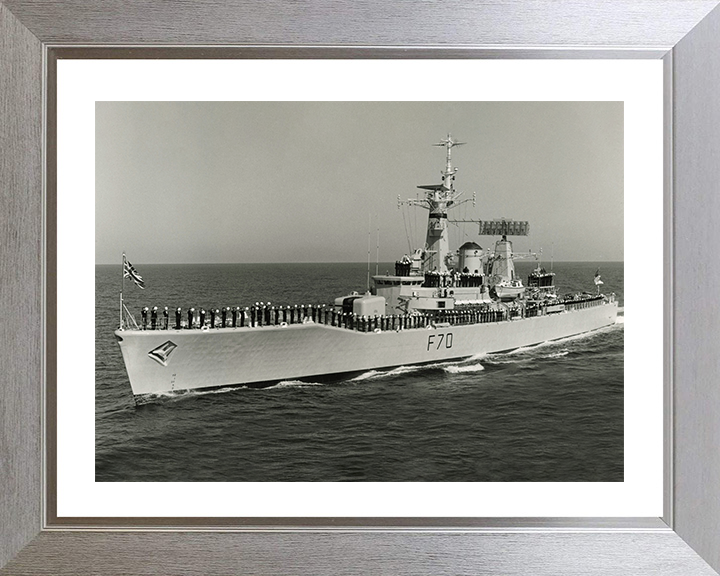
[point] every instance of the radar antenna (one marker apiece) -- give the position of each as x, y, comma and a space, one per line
448, 143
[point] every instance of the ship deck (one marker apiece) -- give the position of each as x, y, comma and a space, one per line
286, 316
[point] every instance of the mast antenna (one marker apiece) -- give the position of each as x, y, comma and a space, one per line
449, 144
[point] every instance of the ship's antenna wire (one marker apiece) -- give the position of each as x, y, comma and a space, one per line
377, 247
415, 232
406, 231
407, 222
411, 235
368, 258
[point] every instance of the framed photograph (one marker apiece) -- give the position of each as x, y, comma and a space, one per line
459, 330
149, 162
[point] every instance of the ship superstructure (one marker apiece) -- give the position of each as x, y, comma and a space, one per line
436, 278
441, 304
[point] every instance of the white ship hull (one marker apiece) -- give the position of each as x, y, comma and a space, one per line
160, 361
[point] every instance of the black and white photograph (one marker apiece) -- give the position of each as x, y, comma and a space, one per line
359, 291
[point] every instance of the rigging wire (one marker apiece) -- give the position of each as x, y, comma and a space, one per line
411, 236
465, 217
377, 247
415, 232
368, 256
407, 236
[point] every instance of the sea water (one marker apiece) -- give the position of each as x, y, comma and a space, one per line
548, 413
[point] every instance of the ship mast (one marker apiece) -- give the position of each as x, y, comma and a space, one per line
438, 199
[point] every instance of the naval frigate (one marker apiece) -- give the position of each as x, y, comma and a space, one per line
439, 305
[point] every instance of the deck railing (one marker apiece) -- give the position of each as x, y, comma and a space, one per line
260, 316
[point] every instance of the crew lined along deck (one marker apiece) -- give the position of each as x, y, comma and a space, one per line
269, 315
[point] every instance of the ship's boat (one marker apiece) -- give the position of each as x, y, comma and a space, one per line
438, 305
509, 289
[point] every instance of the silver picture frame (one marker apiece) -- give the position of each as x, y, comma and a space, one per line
685, 34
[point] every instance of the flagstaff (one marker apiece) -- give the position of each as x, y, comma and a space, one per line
597, 280
128, 271
122, 288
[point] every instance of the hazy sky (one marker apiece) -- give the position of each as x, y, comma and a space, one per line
214, 182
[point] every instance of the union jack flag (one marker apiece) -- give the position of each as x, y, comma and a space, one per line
130, 272
598, 282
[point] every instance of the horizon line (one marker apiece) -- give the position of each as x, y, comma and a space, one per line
323, 262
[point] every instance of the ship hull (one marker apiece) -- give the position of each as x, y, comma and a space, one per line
159, 361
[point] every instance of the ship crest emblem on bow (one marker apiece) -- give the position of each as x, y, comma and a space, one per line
162, 352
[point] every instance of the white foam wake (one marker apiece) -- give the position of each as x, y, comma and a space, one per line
367, 375
216, 390
375, 374
293, 384
566, 339
403, 370
182, 394
455, 369
524, 349
558, 354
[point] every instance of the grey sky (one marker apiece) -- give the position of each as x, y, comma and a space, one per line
191, 182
